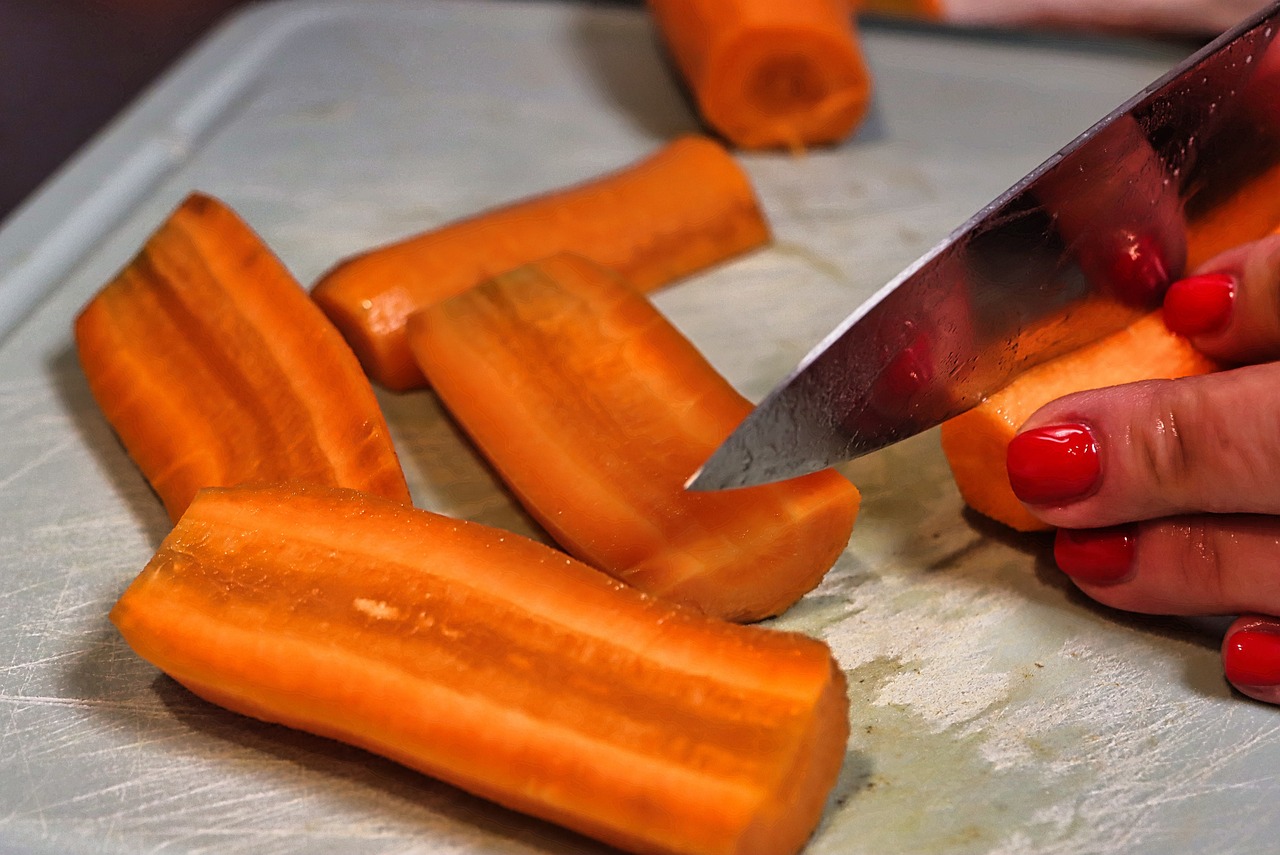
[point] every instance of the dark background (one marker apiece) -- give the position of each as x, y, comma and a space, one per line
68, 66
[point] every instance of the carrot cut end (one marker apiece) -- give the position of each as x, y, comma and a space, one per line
976, 443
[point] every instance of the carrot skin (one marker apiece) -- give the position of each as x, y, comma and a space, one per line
214, 368
594, 410
683, 208
976, 442
497, 664
767, 74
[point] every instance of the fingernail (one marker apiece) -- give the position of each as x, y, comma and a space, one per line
1136, 270
1252, 658
1102, 556
1055, 464
1199, 305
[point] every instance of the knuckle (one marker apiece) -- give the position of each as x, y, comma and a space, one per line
1205, 563
1174, 437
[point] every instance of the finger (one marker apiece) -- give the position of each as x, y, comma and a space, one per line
1230, 309
1251, 657
1153, 449
1191, 565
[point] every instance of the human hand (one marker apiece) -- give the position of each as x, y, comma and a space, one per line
1167, 493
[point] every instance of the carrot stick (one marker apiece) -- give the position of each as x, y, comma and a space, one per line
683, 208
975, 443
497, 664
594, 410
214, 368
768, 74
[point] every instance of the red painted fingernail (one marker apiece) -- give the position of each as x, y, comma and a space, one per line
1252, 658
1137, 270
1050, 465
1199, 305
1102, 556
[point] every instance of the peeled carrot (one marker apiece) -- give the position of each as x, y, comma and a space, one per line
685, 207
595, 410
769, 74
497, 664
975, 443
214, 368
1252, 212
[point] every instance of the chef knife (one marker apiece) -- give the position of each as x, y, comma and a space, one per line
1075, 250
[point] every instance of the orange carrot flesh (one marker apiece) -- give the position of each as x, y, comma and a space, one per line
769, 74
215, 368
683, 208
975, 443
1254, 211
594, 410
497, 664
923, 10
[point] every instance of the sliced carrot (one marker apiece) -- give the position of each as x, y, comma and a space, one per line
975, 442
595, 410
769, 74
214, 368
497, 664
1252, 212
687, 206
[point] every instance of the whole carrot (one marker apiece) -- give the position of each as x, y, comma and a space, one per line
687, 206
769, 73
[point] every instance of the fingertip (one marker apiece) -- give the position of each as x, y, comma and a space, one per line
1200, 305
1251, 657
1229, 307
1102, 556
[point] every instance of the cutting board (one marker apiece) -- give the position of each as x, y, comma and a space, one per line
993, 709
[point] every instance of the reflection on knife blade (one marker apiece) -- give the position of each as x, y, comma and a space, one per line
1076, 250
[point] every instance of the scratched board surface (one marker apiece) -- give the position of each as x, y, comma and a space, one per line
993, 710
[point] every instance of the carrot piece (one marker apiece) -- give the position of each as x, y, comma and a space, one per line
1251, 213
214, 368
497, 664
595, 410
920, 10
769, 74
683, 208
975, 442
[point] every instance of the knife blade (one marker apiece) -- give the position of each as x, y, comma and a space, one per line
1075, 250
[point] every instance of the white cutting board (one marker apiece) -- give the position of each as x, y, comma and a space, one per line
993, 709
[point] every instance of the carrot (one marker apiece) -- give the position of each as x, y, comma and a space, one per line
768, 74
497, 664
921, 10
683, 208
1252, 212
595, 410
975, 442
214, 368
